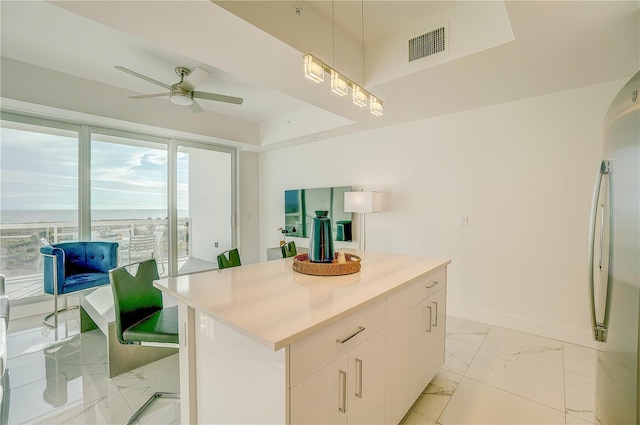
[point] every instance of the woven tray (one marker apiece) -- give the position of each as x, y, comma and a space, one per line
301, 264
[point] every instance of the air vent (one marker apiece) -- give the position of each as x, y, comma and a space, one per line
428, 44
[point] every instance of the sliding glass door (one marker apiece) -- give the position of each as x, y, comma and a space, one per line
158, 197
129, 193
38, 198
205, 205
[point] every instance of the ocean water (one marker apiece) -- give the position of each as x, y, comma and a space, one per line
43, 216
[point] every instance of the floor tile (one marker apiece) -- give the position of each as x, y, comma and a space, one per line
437, 394
144, 374
580, 396
477, 403
521, 376
414, 418
111, 409
31, 341
526, 346
458, 356
580, 360
572, 420
26, 369
466, 330
162, 411
136, 395
48, 397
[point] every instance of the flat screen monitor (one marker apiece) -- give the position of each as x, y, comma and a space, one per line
300, 206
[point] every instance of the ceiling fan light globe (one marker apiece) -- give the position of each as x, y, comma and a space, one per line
182, 99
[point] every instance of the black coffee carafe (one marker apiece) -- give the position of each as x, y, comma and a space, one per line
321, 240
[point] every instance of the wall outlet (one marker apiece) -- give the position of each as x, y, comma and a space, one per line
216, 244
464, 220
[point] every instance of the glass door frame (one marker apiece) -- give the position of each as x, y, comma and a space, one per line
173, 195
23, 304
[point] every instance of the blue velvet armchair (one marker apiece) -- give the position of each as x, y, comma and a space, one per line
74, 266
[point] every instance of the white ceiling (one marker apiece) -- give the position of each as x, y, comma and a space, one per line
62, 54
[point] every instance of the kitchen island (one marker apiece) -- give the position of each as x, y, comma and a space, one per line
262, 343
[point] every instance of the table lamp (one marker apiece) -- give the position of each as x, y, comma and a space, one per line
362, 202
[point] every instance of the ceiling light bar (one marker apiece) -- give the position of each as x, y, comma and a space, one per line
375, 105
359, 97
314, 69
339, 84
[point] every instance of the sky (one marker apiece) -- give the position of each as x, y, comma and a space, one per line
39, 171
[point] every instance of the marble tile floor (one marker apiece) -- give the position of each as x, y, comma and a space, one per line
491, 375
62, 379
494, 375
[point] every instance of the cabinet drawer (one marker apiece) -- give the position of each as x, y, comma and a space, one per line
312, 353
427, 286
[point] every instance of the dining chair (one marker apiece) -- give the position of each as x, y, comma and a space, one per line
233, 259
143, 247
289, 249
141, 317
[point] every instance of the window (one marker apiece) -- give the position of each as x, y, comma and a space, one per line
125, 193
38, 199
129, 197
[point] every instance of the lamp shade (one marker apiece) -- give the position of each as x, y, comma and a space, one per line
362, 202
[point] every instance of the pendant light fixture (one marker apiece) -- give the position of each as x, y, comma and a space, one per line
314, 69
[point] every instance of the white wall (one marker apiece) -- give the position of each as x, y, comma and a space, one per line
248, 208
209, 202
523, 173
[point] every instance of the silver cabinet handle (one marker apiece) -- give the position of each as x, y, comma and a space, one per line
436, 321
359, 378
342, 341
342, 392
434, 283
599, 313
430, 318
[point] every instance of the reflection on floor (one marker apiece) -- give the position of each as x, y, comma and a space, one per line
491, 376
65, 380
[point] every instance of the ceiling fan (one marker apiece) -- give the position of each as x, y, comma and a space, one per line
182, 93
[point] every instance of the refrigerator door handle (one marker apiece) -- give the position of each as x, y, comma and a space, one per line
601, 202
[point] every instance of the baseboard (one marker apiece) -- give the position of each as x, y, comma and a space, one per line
547, 329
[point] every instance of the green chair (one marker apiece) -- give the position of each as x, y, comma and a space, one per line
233, 259
288, 249
140, 316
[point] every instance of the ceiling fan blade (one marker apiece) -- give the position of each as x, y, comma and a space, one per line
194, 79
144, 77
195, 107
146, 96
217, 97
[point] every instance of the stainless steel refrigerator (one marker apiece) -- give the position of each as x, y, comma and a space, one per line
614, 268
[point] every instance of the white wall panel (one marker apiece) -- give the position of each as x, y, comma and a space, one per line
523, 174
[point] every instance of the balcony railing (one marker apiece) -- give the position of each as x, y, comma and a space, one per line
21, 262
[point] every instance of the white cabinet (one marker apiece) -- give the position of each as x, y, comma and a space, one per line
369, 367
350, 390
320, 398
426, 341
365, 379
414, 354
337, 375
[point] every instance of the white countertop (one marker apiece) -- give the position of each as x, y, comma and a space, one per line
276, 306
